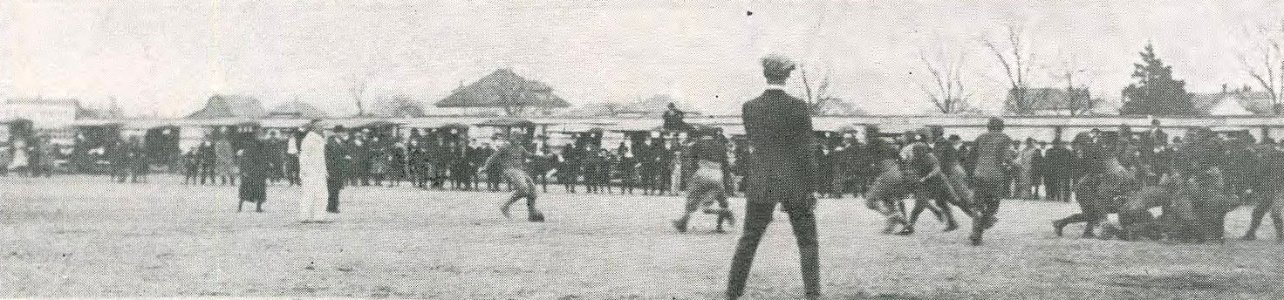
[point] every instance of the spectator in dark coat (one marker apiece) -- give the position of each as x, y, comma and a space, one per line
1057, 168
337, 162
397, 168
780, 130
137, 161
255, 170
206, 159
191, 166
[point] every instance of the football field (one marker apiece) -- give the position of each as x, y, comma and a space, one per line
81, 236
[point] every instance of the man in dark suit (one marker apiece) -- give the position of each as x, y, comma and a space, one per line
673, 119
779, 129
336, 161
1058, 161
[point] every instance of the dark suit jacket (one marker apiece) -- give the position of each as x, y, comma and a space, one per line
1059, 160
779, 128
336, 165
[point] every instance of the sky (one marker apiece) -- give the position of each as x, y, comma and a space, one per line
165, 58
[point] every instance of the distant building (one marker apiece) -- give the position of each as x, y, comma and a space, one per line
649, 107
593, 110
48, 116
1239, 102
1058, 102
43, 112
398, 107
296, 109
230, 106
505, 92
839, 107
655, 106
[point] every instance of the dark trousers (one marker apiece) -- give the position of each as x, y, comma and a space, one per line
1058, 188
207, 171
757, 216
292, 169
334, 184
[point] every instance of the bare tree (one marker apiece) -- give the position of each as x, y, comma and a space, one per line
1266, 65
113, 109
1079, 100
946, 91
1017, 68
513, 97
802, 72
357, 89
819, 95
612, 108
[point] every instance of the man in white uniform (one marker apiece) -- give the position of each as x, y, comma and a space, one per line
312, 173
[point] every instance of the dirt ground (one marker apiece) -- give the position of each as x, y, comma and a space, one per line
80, 236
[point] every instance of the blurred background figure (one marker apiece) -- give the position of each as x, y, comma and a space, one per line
255, 169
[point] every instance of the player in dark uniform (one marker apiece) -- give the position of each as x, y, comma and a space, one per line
990, 176
510, 159
706, 187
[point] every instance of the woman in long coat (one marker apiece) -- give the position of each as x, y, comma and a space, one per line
254, 173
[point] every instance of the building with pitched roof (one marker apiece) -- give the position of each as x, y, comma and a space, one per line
230, 106
1239, 102
44, 112
505, 91
1059, 102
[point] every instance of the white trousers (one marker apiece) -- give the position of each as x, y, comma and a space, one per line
313, 201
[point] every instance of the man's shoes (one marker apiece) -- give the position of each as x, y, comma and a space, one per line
731, 218
906, 231
889, 226
536, 216
680, 226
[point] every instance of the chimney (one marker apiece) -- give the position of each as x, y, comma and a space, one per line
1223, 88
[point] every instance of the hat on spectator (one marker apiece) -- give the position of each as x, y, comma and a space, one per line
776, 66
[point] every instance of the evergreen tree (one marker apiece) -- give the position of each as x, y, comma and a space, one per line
1155, 92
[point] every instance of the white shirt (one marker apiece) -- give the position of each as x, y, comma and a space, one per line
312, 158
291, 147
775, 87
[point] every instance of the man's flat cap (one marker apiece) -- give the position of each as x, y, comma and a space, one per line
776, 64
